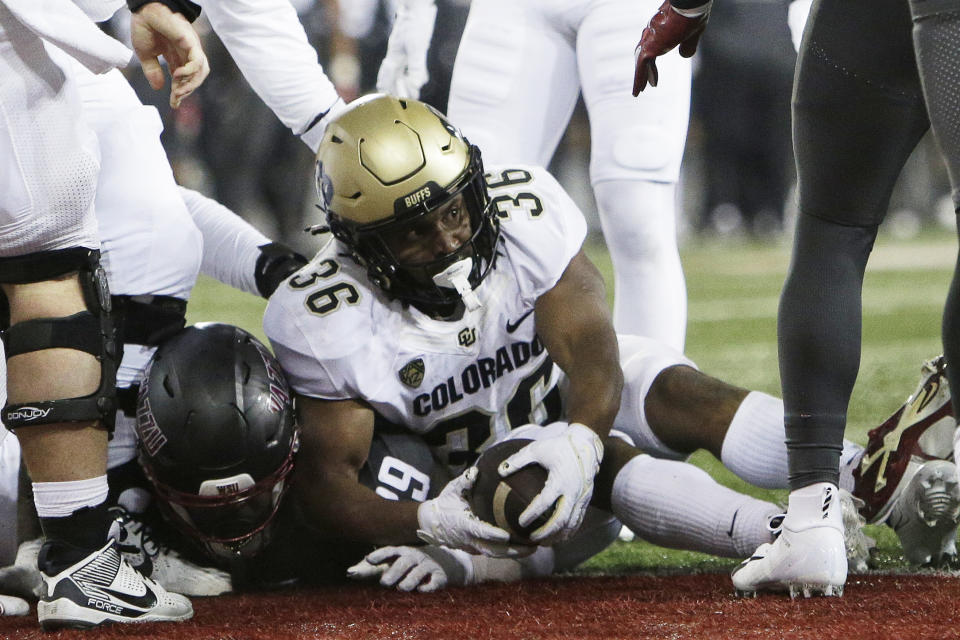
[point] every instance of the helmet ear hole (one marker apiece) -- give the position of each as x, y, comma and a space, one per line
245, 372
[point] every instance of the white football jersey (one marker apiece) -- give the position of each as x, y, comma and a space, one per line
461, 384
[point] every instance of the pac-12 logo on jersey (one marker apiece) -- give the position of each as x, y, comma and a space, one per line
412, 373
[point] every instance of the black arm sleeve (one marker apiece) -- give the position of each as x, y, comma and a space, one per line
275, 264
190, 10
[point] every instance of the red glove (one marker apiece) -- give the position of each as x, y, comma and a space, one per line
667, 29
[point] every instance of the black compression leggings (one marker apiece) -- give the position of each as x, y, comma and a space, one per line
818, 331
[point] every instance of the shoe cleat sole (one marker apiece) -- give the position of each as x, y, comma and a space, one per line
811, 590
926, 520
805, 590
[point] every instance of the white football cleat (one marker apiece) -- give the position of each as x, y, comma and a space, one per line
860, 547
102, 587
919, 436
808, 557
164, 565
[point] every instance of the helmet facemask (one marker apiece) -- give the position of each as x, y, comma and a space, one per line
414, 283
217, 437
229, 518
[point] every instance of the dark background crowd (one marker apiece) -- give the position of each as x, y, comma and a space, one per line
738, 175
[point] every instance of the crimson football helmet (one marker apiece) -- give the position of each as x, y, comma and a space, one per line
217, 437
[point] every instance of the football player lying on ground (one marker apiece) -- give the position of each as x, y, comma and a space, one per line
245, 535
220, 474
887, 479
217, 442
462, 309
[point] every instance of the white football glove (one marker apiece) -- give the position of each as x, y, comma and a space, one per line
571, 459
447, 521
403, 71
423, 569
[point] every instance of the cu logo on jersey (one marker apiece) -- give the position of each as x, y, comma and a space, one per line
467, 336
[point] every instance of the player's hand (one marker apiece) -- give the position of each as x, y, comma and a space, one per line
403, 71
667, 29
157, 31
411, 568
571, 459
448, 521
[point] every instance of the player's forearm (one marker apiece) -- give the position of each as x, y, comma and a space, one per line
593, 397
356, 513
590, 358
230, 244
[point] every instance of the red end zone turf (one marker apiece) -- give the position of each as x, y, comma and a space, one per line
698, 606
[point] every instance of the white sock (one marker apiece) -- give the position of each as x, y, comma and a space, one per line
675, 504
754, 447
60, 499
755, 450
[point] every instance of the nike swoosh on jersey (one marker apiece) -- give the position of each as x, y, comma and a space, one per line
733, 522
512, 326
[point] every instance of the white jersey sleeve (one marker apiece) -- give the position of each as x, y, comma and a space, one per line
324, 324
542, 228
231, 246
268, 43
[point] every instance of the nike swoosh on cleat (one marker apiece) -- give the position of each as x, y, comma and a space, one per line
512, 326
147, 601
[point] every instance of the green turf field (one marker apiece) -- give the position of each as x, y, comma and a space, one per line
733, 290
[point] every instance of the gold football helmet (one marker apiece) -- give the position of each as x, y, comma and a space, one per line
384, 163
